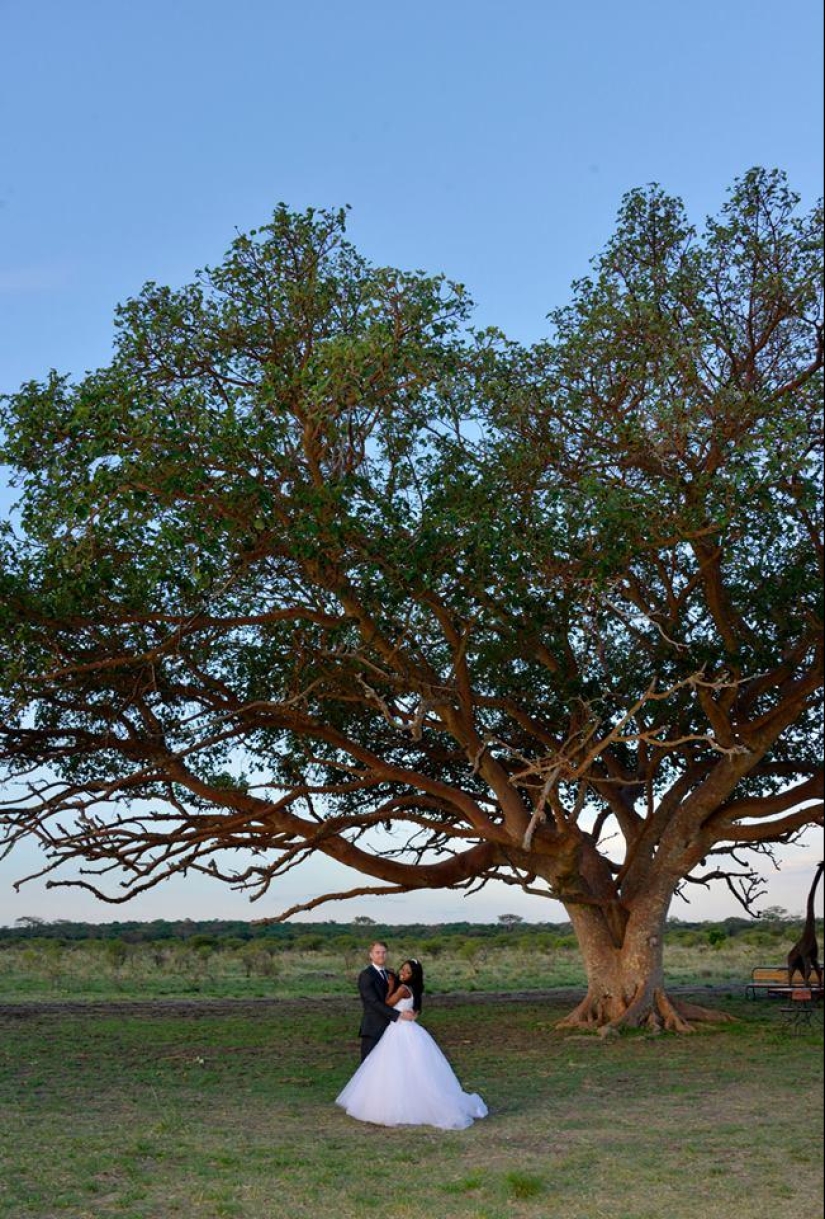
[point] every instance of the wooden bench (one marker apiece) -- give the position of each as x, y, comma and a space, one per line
772, 980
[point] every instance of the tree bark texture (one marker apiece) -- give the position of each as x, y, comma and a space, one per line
625, 979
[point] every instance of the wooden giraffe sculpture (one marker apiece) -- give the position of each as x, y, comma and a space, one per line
805, 952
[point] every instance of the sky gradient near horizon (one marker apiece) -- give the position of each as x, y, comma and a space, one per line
490, 142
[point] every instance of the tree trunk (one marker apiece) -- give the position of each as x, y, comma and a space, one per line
625, 980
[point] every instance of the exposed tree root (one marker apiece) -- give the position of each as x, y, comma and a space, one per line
702, 1015
590, 1013
655, 1011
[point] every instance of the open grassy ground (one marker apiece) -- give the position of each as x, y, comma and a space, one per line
114, 970
220, 1108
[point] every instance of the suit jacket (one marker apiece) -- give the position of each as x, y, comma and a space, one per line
377, 1013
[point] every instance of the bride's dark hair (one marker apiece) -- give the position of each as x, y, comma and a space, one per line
416, 982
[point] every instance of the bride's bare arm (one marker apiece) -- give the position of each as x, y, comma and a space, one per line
395, 996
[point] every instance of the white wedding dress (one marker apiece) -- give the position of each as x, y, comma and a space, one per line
407, 1081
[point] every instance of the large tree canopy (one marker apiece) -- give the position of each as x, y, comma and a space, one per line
314, 567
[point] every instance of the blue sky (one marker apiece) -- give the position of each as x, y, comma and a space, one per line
492, 142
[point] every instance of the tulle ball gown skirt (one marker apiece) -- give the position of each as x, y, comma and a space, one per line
407, 1081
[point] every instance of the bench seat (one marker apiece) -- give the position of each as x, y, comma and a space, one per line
772, 980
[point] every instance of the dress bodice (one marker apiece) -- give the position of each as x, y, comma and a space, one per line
404, 1005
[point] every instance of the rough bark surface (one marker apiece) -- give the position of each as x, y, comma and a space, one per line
626, 986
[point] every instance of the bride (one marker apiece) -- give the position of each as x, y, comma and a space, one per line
406, 1080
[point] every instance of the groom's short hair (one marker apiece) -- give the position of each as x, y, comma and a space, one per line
377, 944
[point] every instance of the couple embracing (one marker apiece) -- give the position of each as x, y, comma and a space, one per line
404, 1079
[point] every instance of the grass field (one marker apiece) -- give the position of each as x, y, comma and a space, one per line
225, 1108
116, 970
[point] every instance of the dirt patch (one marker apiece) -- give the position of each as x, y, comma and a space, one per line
189, 1008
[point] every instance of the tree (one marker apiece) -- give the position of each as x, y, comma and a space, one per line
510, 920
314, 567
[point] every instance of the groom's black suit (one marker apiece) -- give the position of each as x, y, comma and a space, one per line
377, 1012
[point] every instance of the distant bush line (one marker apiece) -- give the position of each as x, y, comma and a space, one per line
219, 933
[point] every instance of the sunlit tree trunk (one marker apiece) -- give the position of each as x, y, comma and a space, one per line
625, 973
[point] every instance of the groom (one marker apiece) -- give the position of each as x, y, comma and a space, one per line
374, 984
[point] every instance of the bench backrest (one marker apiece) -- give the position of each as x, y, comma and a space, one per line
770, 973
